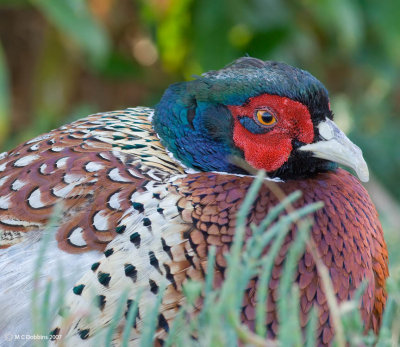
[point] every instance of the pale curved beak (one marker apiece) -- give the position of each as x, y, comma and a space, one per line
335, 146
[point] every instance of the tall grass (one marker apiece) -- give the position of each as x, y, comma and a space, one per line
218, 322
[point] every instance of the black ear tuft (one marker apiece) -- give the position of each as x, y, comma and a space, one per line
191, 113
218, 122
246, 63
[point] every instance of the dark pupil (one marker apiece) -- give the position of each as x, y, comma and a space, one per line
267, 117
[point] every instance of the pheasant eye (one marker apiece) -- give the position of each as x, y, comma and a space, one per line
265, 117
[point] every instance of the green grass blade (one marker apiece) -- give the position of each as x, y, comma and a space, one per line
289, 328
311, 329
150, 321
176, 328
132, 313
116, 318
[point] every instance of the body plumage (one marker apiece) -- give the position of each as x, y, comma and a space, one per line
153, 190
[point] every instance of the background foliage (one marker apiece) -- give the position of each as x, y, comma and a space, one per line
61, 59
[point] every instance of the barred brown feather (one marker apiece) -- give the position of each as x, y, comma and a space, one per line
123, 195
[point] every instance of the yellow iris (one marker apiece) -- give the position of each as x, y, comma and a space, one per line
265, 117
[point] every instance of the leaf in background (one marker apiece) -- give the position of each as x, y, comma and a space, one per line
119, 67
341, 20
4, 98
171, 23
212, 23
384, 21
13, 3
74, 19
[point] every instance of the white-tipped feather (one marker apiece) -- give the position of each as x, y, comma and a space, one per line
126, 252
4, 202
24, 161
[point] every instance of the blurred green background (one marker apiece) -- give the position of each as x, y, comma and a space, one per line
63, 59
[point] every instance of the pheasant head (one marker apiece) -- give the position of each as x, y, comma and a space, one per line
274, 116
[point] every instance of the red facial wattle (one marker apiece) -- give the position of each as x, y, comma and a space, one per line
269, 151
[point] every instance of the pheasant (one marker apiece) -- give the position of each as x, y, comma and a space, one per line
145, 193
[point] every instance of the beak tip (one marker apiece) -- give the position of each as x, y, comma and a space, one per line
363, 173
364, 179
